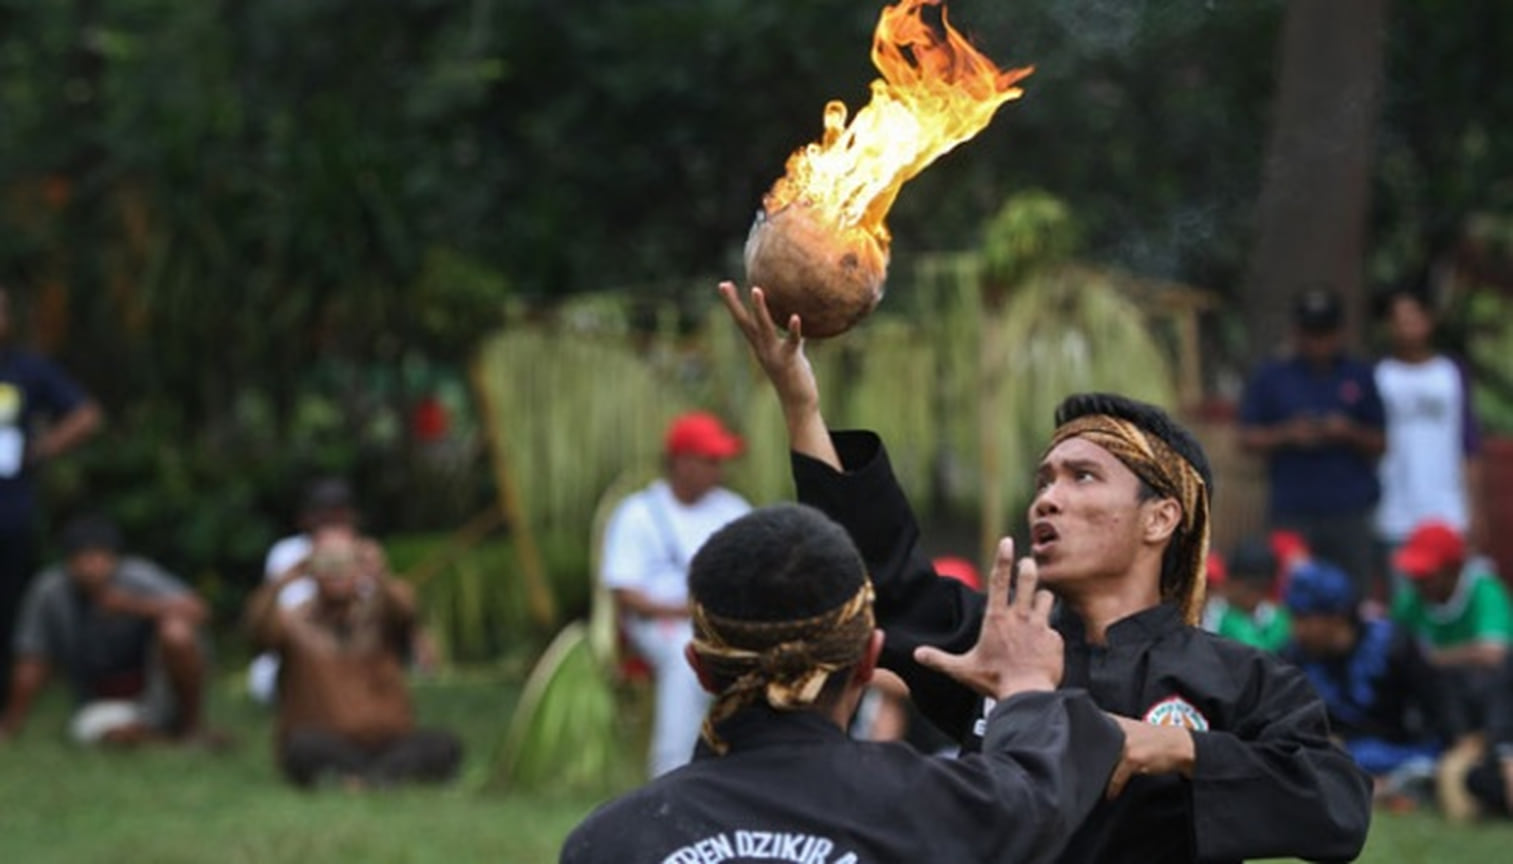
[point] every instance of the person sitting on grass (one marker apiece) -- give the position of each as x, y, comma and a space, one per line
344, 709
1456, 605
1242, 609
125, 633
1486, 789
785, 640
1389, 706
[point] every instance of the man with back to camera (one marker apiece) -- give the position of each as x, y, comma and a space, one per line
1228, 754
31, 388
784, 639
1316, 418
648, 542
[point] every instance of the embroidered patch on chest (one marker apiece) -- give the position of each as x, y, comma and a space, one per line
1176, 711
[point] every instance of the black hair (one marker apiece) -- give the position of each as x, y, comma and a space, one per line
1148, 417
326, 493
1154, 420
1251, 561
91, 532
780, 563
1384, 299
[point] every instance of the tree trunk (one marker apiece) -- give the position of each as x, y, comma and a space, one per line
1311, 217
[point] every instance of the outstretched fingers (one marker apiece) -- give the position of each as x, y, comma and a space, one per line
738, 311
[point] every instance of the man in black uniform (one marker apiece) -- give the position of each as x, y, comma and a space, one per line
1228, 753
784, 638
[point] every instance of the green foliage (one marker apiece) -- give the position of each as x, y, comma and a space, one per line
1065, 331
1032, 230
470, 594
1490, 321
566, 731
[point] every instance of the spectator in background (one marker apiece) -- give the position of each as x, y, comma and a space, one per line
1242, 607
1430, 469
886, 712
1487, 788
1458, 607
1386, 703
1316, 418
649, 540
124, 632
328, 503
344, 709
31, 389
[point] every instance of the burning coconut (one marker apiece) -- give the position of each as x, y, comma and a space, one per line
819, 246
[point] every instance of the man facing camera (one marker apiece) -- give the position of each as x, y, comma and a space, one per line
124, 632
344, 709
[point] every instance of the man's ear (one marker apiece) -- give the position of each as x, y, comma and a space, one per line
692, 657
1162, 517
868, 664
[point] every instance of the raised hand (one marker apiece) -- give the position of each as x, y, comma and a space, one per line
1017, 650
781, 356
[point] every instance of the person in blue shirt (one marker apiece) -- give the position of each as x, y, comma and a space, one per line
32, 389
1317, 419
1389, 707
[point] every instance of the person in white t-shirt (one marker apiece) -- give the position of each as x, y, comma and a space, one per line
1430, 468
648, 542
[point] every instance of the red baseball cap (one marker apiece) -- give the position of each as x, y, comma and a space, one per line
699, 433
1433, 545
960, 569
1215, 570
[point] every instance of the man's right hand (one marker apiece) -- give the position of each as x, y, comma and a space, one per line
781, 355
1017, 650
782, 359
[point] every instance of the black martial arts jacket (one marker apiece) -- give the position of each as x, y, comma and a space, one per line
1267, 781
793, 787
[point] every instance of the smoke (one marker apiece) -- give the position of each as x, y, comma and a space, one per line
1100, 26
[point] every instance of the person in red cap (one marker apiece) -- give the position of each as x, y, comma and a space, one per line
648, 542
1457, 607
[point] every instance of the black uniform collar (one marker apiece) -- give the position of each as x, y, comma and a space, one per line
1144, 626
760, 726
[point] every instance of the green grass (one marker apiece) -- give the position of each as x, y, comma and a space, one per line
59, 803
62, 804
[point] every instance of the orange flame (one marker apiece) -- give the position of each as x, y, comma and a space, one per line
936, 92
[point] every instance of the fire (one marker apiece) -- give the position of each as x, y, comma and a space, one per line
936, 91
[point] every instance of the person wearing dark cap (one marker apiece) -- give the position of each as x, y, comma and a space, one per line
1243, 609
784, 638
1455, 604
1316, 418
1227, 754
648, 541
124, 632
1388, 705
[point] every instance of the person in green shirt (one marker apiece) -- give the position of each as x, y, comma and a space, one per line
1242, 608
1458, 608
